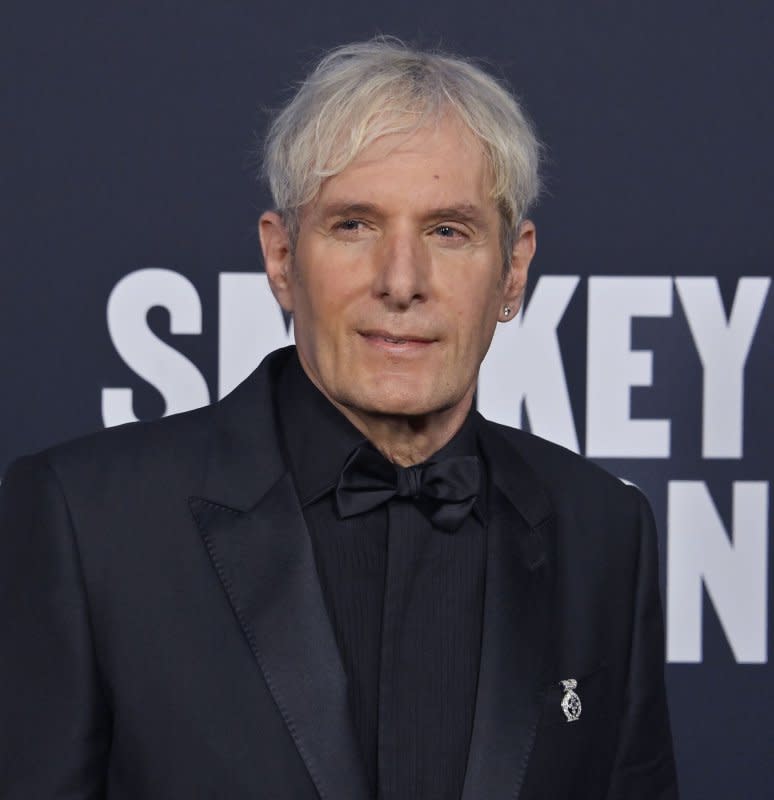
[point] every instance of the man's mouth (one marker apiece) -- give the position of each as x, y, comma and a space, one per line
395, 338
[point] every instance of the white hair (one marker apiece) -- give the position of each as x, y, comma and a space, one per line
359, 92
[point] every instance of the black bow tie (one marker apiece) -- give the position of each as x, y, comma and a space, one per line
445, 490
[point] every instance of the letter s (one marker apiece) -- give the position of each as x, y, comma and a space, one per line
178, 380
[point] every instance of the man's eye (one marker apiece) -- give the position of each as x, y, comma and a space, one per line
349, 225
447, 232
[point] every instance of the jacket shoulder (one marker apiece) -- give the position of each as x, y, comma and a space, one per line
567, 476
174, 437
135, 453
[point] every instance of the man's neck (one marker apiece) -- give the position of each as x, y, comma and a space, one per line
409, 440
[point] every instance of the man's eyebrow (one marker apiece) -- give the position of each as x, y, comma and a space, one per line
464, 212
348, 209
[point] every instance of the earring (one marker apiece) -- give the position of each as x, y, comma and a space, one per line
506, 311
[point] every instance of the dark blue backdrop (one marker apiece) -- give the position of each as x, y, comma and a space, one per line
127, 131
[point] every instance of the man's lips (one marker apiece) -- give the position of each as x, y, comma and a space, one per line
396, 338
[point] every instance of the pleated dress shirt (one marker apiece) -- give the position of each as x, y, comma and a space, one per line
405, 601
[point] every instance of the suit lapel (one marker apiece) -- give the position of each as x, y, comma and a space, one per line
254, 530
518, 614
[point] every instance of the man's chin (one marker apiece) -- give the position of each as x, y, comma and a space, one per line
403, 403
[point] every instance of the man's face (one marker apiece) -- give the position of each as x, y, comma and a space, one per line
396, 283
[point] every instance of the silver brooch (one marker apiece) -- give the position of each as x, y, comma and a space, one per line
571, 703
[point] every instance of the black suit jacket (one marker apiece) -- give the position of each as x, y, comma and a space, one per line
164, 633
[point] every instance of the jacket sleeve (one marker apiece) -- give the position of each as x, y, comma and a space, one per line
54, 723
644, 766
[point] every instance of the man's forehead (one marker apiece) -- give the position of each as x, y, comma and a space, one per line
439, 165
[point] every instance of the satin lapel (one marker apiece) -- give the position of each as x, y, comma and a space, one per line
518, 615
254, 531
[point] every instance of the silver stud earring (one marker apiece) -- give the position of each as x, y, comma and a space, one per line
507, 311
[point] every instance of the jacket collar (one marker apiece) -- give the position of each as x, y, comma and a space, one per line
245, 454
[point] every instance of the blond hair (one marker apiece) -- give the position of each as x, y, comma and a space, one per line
359, 92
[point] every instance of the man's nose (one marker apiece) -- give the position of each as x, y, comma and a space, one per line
403, 269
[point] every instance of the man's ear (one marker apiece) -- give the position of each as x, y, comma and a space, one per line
516, 280
275, 244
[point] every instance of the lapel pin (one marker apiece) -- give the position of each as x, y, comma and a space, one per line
571, 703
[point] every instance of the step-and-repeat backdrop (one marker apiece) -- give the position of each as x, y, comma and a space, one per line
132, 286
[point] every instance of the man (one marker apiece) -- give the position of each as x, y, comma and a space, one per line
340, 581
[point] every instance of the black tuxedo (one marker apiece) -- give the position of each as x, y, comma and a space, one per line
164, 633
